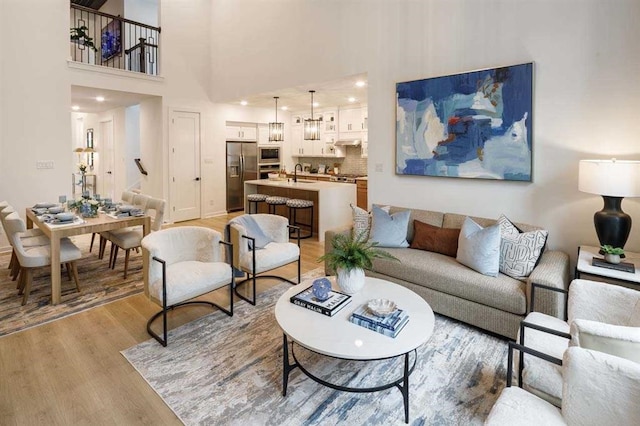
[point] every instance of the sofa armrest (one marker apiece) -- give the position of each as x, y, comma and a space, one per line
328, 241
551, 271
616, 340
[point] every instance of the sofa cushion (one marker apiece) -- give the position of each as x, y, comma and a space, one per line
479, 248
519, 251
389, 230
454, 220
433, 238
425, 216
443, 273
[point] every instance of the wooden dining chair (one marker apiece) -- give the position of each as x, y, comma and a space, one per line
33, 257
130, 238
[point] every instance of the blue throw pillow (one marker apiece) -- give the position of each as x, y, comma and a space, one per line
479, 248
389, 230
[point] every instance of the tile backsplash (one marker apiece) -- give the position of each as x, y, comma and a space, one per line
352, 163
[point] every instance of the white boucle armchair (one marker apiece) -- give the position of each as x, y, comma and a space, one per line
598, 389
601, 317
185, 262
261, 244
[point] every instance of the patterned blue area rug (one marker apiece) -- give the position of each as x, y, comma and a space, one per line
228, 371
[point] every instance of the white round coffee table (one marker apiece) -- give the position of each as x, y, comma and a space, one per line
337, 337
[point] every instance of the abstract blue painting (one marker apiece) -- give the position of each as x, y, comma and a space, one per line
470, 125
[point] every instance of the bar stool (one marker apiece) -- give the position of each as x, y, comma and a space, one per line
294, 205
254, 199
273, 201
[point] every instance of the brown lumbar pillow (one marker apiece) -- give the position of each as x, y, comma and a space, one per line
434, 238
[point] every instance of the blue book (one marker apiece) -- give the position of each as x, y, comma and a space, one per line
378, 329
391, 321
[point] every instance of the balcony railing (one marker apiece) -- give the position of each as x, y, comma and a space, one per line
111, 41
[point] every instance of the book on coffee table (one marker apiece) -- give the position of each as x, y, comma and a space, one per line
389, 325
334, 303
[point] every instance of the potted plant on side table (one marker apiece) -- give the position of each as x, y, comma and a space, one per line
349, 257
612, 254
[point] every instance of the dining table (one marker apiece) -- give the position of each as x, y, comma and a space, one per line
102, 222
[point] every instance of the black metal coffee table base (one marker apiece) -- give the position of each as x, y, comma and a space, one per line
402, 383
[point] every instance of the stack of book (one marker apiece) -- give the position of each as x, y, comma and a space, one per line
334, 303
389, 325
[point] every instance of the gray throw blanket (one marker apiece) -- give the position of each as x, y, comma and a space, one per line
253, 230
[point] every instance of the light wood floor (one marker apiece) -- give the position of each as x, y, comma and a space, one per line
71, 372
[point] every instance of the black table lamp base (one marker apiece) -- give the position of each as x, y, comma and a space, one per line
612, 224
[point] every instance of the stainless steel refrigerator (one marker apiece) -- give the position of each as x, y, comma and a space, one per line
242, 164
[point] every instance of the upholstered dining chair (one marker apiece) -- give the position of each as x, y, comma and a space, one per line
37, 256
29, 238
128, 198
602, 317
598, 389
130, 238
261, 244
185, 262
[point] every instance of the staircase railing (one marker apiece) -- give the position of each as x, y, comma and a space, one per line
98, 38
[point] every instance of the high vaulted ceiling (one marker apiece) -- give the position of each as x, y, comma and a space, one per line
334, 93
93, 4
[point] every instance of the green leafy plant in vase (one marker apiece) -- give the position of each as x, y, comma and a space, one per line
612, 254
350, 255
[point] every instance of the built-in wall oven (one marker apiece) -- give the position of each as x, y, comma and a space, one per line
265, 169
268, 154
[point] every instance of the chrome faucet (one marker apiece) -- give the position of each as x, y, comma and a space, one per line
295, 171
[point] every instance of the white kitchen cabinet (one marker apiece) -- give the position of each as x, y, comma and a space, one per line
297, 148
351, 120
242, 133
364, 148
329, 122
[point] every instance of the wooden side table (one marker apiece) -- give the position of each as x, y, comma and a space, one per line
584, 266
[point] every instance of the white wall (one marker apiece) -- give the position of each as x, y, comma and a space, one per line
586, 86
132, 146
152, 148
144, 11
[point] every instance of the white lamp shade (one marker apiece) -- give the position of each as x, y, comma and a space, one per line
612, 178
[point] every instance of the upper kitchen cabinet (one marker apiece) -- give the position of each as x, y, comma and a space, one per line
329, 122
297, 149
241, 132
352, 120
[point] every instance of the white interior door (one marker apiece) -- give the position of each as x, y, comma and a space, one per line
184, 165
104, 146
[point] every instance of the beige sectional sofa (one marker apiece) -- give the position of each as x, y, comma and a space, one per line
496, 304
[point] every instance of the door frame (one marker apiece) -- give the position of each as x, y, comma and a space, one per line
170, 112
102, 164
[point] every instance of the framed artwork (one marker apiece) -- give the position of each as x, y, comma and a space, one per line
111, 40
469, 125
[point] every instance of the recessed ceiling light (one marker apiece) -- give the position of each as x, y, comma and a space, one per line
360, 83
75, 107
352, 99
243, 103
284, 108
315, 104
100, 98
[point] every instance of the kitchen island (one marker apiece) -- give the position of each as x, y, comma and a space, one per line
331, 200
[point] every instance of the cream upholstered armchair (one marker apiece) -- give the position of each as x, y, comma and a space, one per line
185, 262
261, 244
597, 389
602, 317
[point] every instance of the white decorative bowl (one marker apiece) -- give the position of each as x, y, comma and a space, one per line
382, 307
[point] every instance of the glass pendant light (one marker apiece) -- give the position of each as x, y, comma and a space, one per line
311, 126
276, 130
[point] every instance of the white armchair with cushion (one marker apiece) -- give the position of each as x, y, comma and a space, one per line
602, 317
597, 389
261, 244
185, 262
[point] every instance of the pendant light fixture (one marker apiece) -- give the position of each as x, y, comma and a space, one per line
276, 130
311, 126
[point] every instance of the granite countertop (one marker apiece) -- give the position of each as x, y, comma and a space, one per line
309, 185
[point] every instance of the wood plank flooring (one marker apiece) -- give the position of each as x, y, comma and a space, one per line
71, 371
